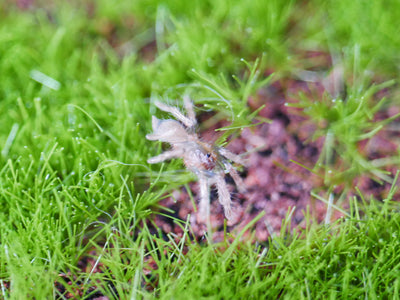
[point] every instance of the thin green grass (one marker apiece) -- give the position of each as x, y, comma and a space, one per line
344, 123
76, 86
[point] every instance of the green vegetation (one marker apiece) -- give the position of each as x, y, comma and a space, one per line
76, 89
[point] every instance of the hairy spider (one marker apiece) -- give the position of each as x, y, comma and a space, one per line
209, 162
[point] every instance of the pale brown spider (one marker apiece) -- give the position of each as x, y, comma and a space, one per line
208, 162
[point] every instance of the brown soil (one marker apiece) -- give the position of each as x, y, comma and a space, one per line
275, 184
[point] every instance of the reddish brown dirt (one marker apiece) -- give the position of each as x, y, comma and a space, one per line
275, 184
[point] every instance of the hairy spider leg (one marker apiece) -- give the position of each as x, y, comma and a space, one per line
189, 108
236, 178
187, 121
224, 197
231, 156
204, 204
175, 153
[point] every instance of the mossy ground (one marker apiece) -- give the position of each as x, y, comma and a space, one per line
80, 204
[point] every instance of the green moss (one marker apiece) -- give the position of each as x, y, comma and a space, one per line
76, 84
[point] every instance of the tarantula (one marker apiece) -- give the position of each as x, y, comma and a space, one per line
207, 161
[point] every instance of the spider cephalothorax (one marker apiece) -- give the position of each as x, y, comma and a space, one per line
208, 162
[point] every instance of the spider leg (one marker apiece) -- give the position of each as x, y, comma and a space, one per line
231, 156
236, 178
187, 121
165, 156
189, 109
204, 205
224, 196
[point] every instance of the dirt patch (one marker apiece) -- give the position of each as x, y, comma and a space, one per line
275, 183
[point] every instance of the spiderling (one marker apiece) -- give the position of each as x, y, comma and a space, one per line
209, 162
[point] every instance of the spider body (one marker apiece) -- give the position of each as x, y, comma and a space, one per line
200, 157
208, 162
